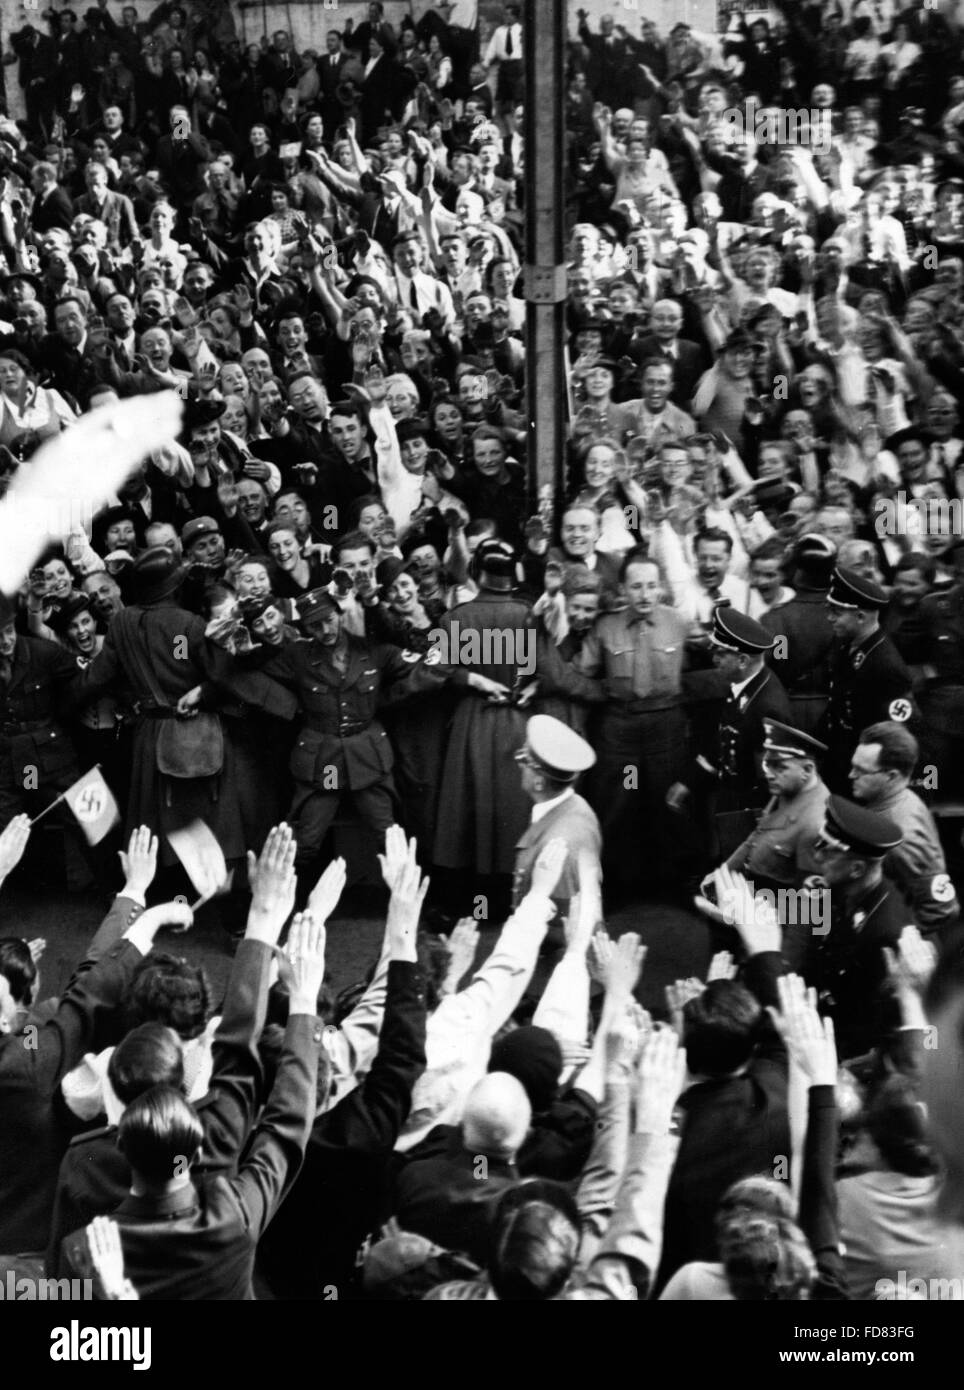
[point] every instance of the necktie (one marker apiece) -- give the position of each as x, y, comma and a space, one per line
413, 296
509, 49
939, 457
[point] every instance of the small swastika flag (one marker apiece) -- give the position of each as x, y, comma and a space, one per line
91, 801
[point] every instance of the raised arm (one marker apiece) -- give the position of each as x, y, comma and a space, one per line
278, 1145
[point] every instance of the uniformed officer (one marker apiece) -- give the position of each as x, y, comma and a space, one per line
869, 680
942, 702
778, 853
845, 962
643, 735
37, 757
731, 772
880, 772
342, 747
552, 759
801, 655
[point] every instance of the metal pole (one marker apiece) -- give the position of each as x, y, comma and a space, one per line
545, 277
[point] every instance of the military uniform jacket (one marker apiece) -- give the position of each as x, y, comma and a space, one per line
848, 970
30, 736
736, 760
342, 745
572, 820
868, 683
780, 849
804, 664
917, 865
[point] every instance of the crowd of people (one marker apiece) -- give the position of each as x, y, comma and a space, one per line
337, 598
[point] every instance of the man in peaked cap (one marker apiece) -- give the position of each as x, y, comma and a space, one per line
861, 915
779, 852
339, 680
802, 653
551, 761
868, 678
731, 770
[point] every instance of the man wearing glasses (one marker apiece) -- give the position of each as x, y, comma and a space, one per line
880, 772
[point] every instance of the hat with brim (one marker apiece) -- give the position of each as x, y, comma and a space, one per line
850, 590
317, 603
388, 570
734, 632
252, 608
560, 752
62, 614
197, 414
853, 829
792, 743
156, 574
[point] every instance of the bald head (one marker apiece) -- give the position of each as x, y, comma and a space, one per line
497, 1116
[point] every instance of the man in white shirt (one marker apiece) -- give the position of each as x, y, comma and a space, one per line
414, 289
505, 49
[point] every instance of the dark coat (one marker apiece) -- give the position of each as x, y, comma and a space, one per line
95, 1177
739, 749
867, 685
171, 642
32, 1141
337, 1193
802, 659
846, 966
56, 210
43, 677
733, 1127
688, 365
450, 1198
199, 1242
482, 809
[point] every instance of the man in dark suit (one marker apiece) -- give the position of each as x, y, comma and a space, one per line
69, 354
95, 1176
113, 209
450, 1197
38, 73
374, 27
663, 340
330, 69
186, 1238
52, 206
32, 1065
735, 1120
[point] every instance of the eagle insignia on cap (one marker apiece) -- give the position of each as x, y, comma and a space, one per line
942, 889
